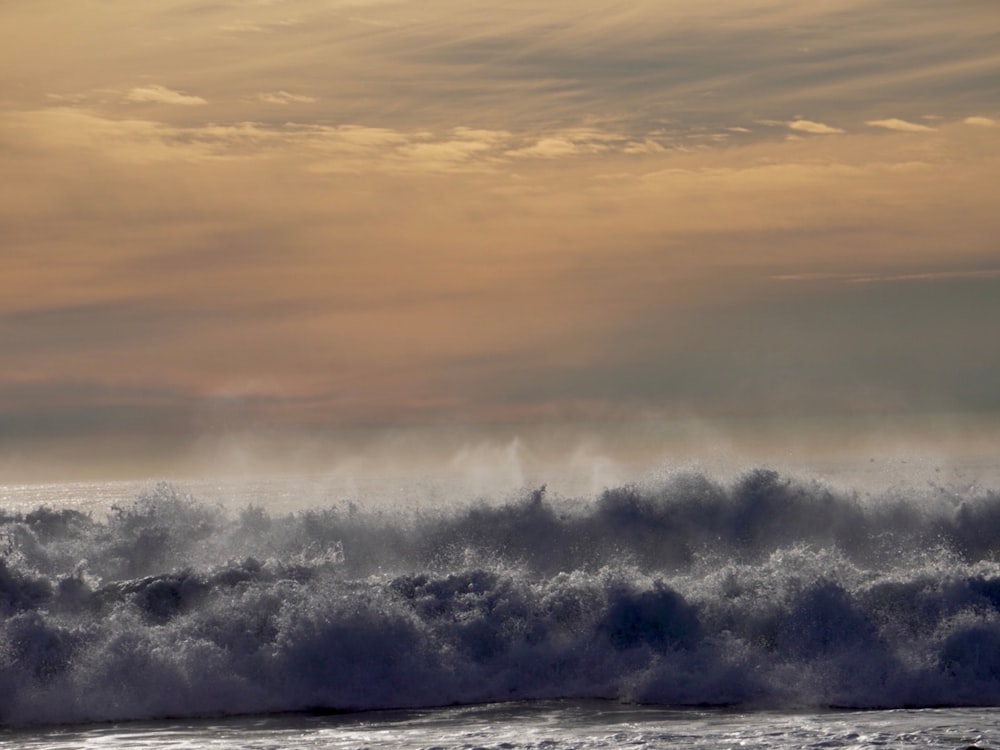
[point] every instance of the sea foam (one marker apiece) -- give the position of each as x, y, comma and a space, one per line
766, 591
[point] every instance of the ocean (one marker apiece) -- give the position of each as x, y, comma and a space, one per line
766, 610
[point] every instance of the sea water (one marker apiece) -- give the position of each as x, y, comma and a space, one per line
765, 610
539, 724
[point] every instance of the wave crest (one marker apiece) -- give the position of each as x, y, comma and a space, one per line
768, 591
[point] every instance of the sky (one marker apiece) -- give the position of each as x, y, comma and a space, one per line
335, 218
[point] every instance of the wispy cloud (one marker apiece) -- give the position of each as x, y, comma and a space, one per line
862, 277
243, 27
901, 126
984, 122
285, 97
163, 95
814, 128
321, 147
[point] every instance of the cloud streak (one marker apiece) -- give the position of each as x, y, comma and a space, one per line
983, 122
902, 126
157, 94
284, 97
814, 128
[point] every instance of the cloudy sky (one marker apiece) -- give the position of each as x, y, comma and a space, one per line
318, 216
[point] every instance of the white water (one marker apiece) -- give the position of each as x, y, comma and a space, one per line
579, 725
774, 597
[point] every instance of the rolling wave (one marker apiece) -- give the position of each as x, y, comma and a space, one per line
764, 592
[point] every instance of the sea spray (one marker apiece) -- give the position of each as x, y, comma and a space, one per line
763, 592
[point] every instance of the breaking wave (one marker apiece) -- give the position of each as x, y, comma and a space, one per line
764, 592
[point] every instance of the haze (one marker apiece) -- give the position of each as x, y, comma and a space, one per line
645, 228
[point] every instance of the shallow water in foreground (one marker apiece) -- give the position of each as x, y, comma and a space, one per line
544, 724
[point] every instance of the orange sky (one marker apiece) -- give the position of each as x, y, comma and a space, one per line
305, 215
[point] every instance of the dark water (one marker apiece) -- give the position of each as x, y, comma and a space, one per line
765, 593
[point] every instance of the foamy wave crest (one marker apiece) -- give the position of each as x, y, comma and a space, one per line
763, 592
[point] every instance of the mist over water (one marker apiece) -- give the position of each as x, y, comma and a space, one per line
763, 589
